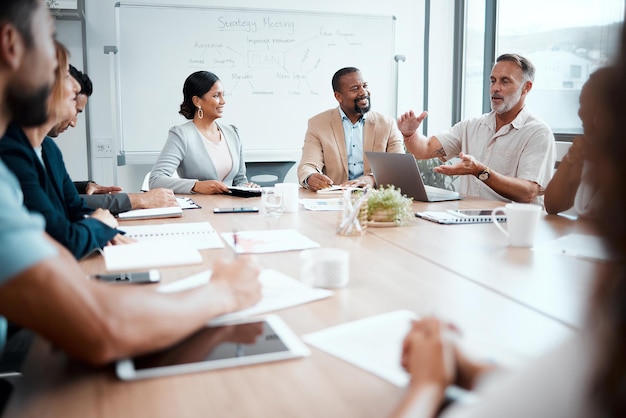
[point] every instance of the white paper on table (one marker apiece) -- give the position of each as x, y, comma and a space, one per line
279, 291
148, 254
199, 235
268, 241
373, 344
335, 204
577, 245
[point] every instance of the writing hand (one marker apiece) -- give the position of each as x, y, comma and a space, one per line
319, 181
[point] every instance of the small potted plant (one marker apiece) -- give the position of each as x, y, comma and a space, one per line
388, 204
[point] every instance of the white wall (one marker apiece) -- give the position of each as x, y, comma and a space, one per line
409, 42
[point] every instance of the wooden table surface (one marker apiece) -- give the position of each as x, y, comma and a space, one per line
522, 300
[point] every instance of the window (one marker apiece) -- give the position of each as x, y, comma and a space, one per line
566, 40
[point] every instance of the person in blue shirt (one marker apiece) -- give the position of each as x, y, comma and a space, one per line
38, 164
42, 287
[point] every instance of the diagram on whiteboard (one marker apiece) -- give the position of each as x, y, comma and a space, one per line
276, 67
268, 56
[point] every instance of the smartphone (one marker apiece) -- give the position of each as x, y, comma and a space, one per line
150, 276
470, 212
246, 209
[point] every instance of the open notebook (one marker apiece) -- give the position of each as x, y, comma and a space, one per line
460, 216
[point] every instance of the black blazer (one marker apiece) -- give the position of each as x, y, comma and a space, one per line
49, 190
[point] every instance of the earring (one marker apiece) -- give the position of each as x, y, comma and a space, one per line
200, 113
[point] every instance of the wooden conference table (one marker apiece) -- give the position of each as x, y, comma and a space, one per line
519, 299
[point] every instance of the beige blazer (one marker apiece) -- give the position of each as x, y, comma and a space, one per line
324, 146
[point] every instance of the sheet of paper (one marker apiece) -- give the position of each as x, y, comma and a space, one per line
169, 212
148, 254
335, 204
199, 235
375, 344
577, 245
268, 241
279, 291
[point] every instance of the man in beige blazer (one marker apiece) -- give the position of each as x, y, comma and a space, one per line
336, 140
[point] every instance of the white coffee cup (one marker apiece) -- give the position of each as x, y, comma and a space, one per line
325, 267
290, 192
521, 221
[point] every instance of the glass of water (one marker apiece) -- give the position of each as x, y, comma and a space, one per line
273, 202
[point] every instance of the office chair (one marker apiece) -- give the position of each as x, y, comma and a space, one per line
268, 173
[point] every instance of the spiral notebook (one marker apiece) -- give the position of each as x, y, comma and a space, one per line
198, 235
460, 216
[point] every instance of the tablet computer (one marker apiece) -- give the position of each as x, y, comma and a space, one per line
250, 341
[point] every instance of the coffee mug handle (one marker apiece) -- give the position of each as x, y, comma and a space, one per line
494, 219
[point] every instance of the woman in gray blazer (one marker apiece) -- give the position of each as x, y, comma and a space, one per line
207, 155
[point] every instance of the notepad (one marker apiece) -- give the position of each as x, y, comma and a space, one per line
152, 213
461, 216
198, 235
279, 292
244, 191
336, 189
149, 254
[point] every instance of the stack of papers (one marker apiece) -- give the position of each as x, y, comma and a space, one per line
279, 291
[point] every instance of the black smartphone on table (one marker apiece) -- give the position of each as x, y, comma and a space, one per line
245, 209
150, 276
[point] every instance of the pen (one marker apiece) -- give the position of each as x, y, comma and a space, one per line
235, 244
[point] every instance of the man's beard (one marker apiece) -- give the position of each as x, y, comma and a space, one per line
28, 110
362, 110
508, 102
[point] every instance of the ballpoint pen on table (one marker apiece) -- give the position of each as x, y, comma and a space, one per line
235, 249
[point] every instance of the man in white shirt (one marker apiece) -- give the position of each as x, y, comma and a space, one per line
507, 154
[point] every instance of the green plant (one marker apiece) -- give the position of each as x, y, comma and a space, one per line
391, 203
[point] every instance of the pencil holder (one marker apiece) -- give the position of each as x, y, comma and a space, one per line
354, 216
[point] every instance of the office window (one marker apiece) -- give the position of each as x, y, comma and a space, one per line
565, 39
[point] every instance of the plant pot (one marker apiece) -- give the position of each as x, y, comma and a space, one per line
383, 215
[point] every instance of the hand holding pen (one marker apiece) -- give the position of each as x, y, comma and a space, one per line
318, 181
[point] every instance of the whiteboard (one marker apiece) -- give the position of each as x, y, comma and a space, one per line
276, 67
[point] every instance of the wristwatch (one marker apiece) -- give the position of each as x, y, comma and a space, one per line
484, 175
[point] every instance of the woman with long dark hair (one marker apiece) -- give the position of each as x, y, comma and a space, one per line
207, 155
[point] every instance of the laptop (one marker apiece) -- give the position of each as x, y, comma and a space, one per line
401, 170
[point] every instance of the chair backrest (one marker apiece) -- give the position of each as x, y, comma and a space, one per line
268, 173
145, 186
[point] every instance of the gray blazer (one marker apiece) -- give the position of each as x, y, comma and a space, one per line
184, 152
